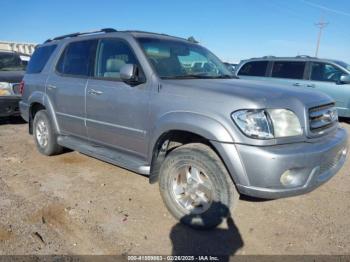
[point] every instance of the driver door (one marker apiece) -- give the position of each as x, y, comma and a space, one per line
116, 113
325, 77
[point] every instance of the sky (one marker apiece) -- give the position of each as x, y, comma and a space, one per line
232, 29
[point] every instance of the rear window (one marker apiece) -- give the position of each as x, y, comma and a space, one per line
39, 59
291, 70
13, 62
257, 68
77, 58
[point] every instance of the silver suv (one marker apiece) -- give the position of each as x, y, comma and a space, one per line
168, 108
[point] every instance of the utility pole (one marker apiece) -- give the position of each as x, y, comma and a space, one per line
320, 25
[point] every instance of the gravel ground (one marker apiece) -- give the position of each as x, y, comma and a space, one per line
74, 204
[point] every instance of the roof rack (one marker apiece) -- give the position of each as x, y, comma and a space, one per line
146, 32
304, 56
104, 30
153, 33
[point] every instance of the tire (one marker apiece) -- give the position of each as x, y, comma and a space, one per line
47, 145
200, 163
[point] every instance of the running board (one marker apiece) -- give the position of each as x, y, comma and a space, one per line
105, 154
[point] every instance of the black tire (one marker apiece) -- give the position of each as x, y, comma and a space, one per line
224, 194
51, 147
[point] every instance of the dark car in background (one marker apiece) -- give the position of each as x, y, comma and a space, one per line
12, 69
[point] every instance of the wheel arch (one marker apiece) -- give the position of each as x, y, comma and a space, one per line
181, 128
39, 101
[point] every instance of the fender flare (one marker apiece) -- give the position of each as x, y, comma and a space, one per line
208, 128
42, 98
198, 124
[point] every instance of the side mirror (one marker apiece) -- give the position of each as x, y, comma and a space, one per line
128, 72
344, 79
131, 75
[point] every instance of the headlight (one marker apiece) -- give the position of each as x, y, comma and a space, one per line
285, 123
254, 123
5, 89
268, 124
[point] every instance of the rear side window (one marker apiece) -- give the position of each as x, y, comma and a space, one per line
257, 68
39, 59
77, 58
292, 70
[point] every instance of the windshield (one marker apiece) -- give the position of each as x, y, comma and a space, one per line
343, 64
180, 60
13, 62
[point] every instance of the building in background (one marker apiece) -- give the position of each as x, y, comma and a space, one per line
25, 48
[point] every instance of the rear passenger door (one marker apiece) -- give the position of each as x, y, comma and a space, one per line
292, 73
66, 86
116, 113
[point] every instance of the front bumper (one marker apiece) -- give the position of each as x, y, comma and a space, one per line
9, 106
259, 169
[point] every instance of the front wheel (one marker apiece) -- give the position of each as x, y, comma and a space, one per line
196, 186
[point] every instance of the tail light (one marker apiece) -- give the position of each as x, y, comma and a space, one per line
21, 87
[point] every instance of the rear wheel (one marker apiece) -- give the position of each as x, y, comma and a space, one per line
44, 135
196, 186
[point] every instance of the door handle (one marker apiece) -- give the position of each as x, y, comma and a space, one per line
311, 85
51, 87
95, 92
297, 84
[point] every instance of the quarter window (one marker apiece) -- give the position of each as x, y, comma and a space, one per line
325, 72
39, 59
112, 54
77, 58
257, 68
292, 70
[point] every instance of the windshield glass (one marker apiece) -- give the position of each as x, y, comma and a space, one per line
180, 60
12, 62
343, 64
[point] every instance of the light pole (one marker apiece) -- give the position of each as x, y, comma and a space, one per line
320, 25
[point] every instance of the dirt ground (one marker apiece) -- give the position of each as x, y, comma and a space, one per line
74, 204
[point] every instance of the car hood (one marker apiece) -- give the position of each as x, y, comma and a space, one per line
11, 76
248, 92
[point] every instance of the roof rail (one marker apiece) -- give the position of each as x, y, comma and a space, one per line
104, 30
153, 33
147, 32
269, 56
304, 56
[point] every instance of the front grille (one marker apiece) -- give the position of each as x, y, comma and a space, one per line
322, 117
15, 88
